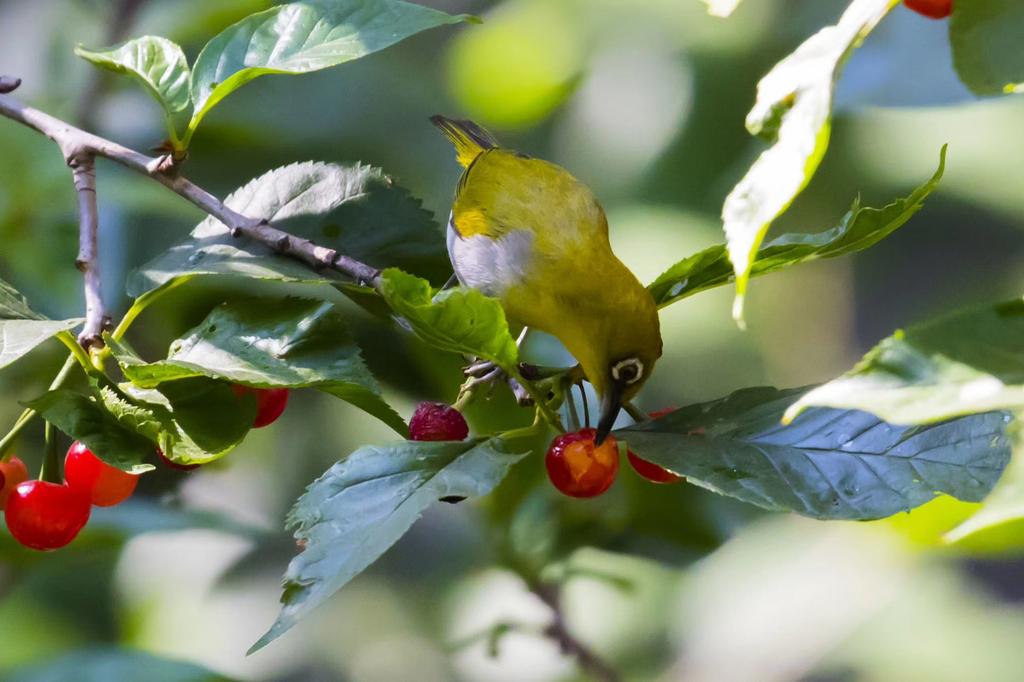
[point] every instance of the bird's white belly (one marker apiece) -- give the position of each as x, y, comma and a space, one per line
490, 265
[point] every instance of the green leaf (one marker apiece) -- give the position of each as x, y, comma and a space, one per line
302, 37
293, 343
998, 524
458, 320
986, 37
963, 363
859, 229
157, 63
109, 664
145, 420
827, 464
793, 110
85, 419
21, 328
357, 210
192, 420
18, 337
13, 305
363, 504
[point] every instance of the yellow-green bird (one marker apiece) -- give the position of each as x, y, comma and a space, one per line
530, 234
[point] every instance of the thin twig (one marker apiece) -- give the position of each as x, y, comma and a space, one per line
589, 662
74, 142
83, 168
122, 16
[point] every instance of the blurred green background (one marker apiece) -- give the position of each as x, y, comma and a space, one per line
644, 100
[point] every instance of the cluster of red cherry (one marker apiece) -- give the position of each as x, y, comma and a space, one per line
44, 515
576, 464
934, 9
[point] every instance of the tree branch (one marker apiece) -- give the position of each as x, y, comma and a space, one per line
75, 142
589, 662
83, 168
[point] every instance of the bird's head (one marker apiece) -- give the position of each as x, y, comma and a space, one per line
619, 352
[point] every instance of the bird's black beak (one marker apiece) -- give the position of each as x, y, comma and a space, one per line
611, 403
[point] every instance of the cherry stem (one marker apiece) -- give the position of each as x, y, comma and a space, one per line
586, 404
574, 417
540, 401
465, 397
28, 415
77, 352
530, 431
50, 470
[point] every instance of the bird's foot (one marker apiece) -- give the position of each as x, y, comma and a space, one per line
480, 368
486, 373
477, 375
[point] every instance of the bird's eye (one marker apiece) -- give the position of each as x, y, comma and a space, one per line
628, 371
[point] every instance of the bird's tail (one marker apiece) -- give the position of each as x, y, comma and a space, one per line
469, 138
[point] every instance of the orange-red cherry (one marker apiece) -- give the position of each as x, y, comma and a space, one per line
14, 472
651, 471
174, 465
44, 516
578, 467
933, 9
103, 484
658, 414
270, 403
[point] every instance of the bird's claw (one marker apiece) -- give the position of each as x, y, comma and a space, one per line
486, 373
485, 377
480, 368
521, 394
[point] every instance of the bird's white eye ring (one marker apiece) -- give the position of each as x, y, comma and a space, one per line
628, 371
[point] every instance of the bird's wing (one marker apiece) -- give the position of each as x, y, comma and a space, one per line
502, 191
470, 210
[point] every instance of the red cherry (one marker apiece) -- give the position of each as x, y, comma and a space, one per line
437, 421
578, 467
651, 471
103, 484
14, 472
174, 465
44, 515
933, 9
270, 403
